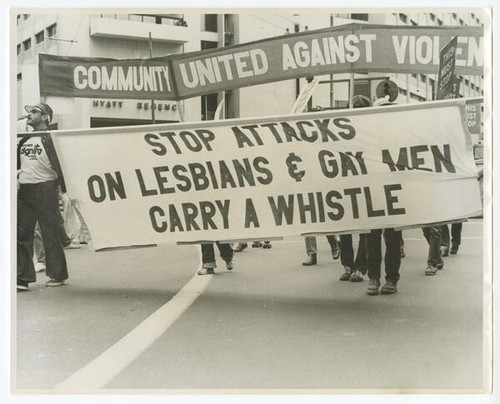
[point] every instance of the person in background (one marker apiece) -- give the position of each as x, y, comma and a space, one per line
40, 178
208, 257
434, 260
456, 238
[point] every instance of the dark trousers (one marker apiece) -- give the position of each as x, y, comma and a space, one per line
392, 257
456, 234
208, 254
433, 236
39, 202
346, 250
361, 262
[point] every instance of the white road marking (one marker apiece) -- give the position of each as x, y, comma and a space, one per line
106, 366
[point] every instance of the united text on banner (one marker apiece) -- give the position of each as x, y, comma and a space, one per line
349, 48
339, 171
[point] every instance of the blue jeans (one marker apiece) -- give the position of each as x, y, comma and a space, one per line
39, 202
208, 254
433, 236
392, 257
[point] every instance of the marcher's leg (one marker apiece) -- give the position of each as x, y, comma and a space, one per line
26, 220
445, 240
208, 260
39, 251
226, 253
392, 260
360, 261
374, 260
334, 246
311, 249
456, 237
50, 221
434, 260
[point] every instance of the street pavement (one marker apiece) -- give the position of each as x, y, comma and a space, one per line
269, 325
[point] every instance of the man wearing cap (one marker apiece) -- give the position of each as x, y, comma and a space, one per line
39, 177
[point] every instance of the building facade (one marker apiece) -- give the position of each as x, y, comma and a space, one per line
125, 36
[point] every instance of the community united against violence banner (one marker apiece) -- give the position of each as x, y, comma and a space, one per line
349, 48
343, 171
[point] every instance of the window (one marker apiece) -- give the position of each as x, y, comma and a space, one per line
432, 17
52, 30
208, 106
39, 37
19, 76
461, 22
18, 19
360, 17
414, 76
210, 21
403, 18
27, 44
208, 45
413, 22
440, 22
18, 49
422, 78
26, 16
454, 15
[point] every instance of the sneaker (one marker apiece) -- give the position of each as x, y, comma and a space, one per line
346, 275
267, 245
22, 285
206, 271
336, 253
431, 270
356, 276
229, 265
54, 282
440, 265
73, 246
256, 244
445, 251
39, 266
402, 252
389, 288
373, 287
311, 260
240, 247
454, 248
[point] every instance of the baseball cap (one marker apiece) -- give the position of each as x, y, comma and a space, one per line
360, 101
43, 108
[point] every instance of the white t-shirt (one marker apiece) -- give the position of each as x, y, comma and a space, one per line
35, 165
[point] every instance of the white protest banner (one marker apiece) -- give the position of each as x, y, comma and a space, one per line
335, 171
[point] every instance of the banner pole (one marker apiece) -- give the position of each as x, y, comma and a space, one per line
351, 91
153, 119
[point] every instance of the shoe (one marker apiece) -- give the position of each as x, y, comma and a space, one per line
206, 271
39, 266
22, 285
346, 275
440, 265
311, 260
240, 247
54, 282
229, 265
454, 248
431, 270
402, 252
336, 253
389, 288
373, 287
445, 251
73, 246
267, 245
356, 276
256, 244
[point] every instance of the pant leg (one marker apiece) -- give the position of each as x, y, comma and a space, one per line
392, 258
38, 245
360, 263
346, 251
445, 235
311, 245
50, 225
433, 237
208, 256
26, 221
226, 251
456, 233
374, 253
